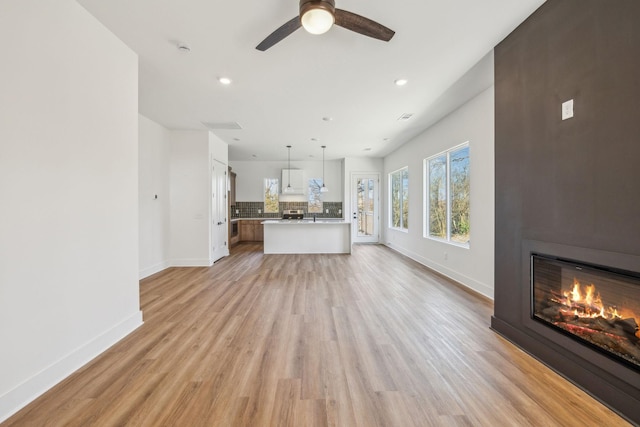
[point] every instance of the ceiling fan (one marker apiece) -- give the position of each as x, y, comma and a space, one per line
318, 16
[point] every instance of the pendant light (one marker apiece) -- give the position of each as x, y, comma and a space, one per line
289, 189
323, 189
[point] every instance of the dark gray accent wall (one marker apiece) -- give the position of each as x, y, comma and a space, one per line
571, 187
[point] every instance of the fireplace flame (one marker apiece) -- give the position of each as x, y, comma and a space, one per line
587, 303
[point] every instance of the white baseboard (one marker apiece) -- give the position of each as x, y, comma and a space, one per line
146, 272
191, 263
17, 398
466, 281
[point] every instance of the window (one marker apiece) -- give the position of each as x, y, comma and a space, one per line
447, 196
399, 193
315, 195
271, 200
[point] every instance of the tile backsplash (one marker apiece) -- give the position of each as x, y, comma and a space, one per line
250, 210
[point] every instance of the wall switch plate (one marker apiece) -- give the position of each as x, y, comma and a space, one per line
567, 109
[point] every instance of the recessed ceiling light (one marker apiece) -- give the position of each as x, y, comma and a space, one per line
183, 48
401, 82
236, 139
367, 149
314, 139
405, 117
387, 139
327, 119
225, 80
253, 155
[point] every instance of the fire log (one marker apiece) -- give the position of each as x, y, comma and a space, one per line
625, 328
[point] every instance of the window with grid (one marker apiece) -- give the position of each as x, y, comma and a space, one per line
447, 198
399, 199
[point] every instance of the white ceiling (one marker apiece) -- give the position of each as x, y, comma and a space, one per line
280, 97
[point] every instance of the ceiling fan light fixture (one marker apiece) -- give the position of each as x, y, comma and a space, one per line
317, 17
317, 21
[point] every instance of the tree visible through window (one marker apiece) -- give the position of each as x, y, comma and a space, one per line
399, 192
448, 192
438, 197
271, 200
315, 195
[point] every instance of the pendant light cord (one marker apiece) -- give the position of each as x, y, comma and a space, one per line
324, 187
289, 165
323, 147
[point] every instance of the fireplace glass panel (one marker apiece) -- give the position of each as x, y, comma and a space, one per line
594, 305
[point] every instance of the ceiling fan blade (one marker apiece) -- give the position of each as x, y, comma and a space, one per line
279, 34
363, 25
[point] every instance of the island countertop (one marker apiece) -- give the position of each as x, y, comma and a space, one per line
296, 236
304, 221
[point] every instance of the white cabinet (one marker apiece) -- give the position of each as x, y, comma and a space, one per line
296, 178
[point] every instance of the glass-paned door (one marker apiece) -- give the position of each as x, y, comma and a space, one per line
365, 221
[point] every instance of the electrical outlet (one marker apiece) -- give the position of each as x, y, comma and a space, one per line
259, 211
237, 211
567, 109
326, 211
339, 211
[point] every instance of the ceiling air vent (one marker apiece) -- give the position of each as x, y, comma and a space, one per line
222, 125
405, 117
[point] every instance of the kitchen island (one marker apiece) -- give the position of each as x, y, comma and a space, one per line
307, 237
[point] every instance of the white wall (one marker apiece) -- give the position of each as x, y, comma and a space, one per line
473, 267
190, 201
154, 143
175, 166
251, 175
68, 188
219, 149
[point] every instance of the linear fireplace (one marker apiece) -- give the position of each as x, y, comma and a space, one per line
595, 305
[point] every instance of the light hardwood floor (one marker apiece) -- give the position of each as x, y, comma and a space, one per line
368, 339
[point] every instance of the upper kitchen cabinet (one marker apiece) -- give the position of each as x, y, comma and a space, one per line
295, 178
232, 188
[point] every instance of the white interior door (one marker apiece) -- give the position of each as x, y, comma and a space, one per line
365, 221
219, 234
